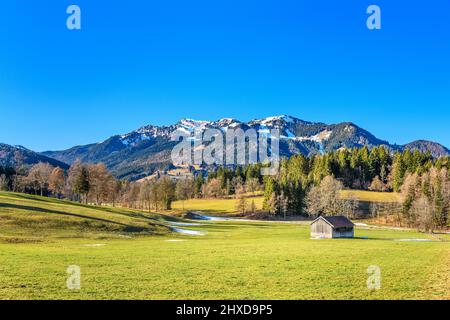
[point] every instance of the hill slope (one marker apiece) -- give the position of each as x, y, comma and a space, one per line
26, 218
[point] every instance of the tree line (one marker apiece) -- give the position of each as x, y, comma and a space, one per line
88, 183
303, 186
312, 185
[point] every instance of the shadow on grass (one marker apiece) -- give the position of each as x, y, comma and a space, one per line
369, 238
133, 214
390, 239
127, 228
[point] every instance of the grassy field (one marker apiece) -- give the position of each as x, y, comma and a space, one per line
215, 206
232, 260
228, 206
26, 218
371, 196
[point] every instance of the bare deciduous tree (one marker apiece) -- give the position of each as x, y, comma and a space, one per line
39, 176
57, 181
184, 190
325, 198
212, 189
377, 185
3, 183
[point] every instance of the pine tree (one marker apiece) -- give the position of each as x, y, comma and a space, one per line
398, 171
198, 184
438, 201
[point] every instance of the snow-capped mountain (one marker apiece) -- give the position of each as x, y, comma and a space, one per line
187, 126
138, 153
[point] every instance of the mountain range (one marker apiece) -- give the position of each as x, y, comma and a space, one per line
16, 156
137, 154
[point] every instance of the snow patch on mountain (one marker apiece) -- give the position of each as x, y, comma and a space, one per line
284, 118
145, 133
193, 124
319, 138
286, 124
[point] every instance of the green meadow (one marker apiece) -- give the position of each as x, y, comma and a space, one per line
216, 206
126, 254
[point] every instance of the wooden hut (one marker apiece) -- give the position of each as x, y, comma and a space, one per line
332, 227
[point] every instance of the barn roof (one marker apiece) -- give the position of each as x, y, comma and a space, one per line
336, 221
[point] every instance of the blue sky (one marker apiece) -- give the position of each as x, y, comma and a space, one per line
154, 62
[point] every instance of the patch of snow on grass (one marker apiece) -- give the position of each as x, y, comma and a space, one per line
189, 232
361, 224
200, 216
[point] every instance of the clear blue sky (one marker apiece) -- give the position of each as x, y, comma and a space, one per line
154, 62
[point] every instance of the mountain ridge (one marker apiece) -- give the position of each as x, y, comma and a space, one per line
15, 156
138, 153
